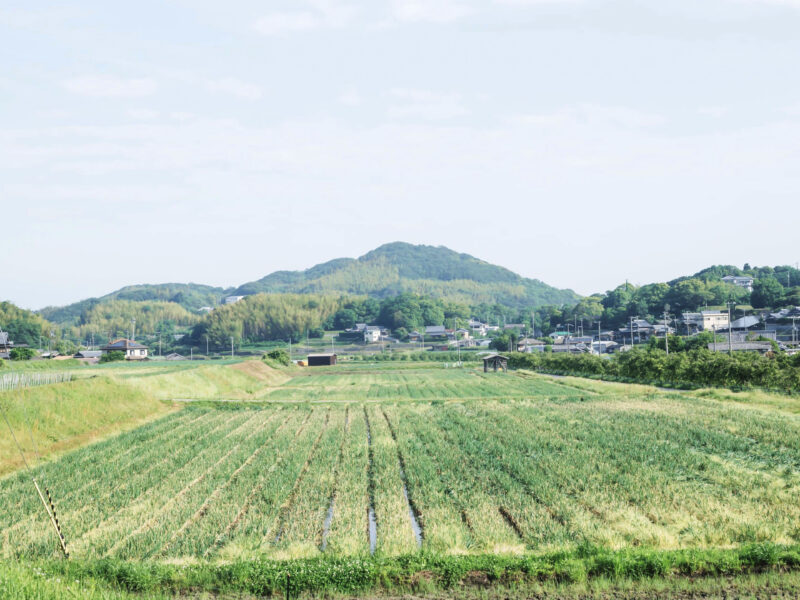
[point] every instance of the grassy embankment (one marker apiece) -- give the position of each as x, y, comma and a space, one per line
107, 399
64, 416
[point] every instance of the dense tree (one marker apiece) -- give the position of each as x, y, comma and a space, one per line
24, 326
767, 291
689, 294
505, 342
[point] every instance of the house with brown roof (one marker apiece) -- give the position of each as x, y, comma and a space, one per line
132, 350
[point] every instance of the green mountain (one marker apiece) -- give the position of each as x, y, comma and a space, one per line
190, 296
386, 271
430, 270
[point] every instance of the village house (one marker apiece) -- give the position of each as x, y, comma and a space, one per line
706, 320
714, 320
739, 281
89, 356
530, 345
477, 328
372, 333
5, 344
133, 350
233, 299
435, 331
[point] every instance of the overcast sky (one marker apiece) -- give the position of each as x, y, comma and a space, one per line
579, 142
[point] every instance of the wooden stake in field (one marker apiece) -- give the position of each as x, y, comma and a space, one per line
50, 508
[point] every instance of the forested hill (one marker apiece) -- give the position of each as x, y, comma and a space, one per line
389, 270
429, 270
190, 296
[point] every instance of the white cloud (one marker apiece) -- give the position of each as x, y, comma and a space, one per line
320, 14
102, 86
716, 112
790, 3
181, 116
583, 115
537, 2
426, 104
142, 114
435, 11
277, 23
235, 87
351, 98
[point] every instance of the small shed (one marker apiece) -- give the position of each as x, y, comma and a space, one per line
320, 360
495, 362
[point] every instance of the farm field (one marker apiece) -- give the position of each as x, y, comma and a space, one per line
386, 462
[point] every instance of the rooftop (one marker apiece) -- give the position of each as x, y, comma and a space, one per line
124, 344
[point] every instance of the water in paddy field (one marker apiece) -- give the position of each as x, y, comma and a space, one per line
414, 522
373, 526
373, 531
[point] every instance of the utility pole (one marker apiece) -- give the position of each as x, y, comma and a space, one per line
598, 337
631, 326
290, 348
133, 330
206, 346
159, 344
231, 346
191, 353
730, 334
666, 329
458, 346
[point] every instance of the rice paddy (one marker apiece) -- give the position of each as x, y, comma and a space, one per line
348, 462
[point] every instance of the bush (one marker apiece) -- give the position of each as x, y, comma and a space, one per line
700, 367
113, 356
66, 347
280, 356
22, 353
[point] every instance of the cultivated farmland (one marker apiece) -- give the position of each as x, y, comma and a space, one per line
355, 461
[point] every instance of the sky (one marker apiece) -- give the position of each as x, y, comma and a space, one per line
580, 142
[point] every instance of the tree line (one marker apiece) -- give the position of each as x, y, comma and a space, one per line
698, 367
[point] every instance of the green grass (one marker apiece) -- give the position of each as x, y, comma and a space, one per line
64, 416
512, 477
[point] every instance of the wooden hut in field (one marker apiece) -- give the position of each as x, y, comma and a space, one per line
495, 362
321, 360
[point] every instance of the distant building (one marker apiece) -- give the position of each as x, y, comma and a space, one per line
320, 360
707, 320
372, 333
739, 281
205, 309
435, 331
477, 327
5, 343
745, 322
714, 319
530, 345
133, 350
233, 299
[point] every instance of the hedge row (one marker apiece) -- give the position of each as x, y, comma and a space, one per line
694, 368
